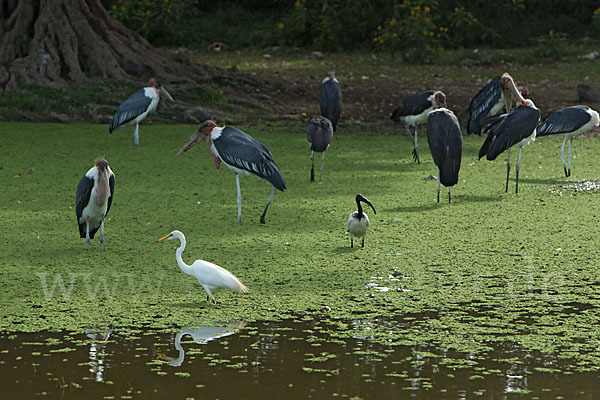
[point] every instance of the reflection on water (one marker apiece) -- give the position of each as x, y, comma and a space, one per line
99, 340
289, 359
200, 335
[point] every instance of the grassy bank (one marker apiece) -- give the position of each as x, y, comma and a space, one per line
489, 266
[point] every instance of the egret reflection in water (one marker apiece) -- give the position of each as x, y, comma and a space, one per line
201, 335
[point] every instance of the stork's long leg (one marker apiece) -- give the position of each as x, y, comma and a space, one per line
416, 149
507, 169
562, 156
518, 163
570, 144
102, 235
363, 241
239, 197
136, 135
438, 179
351, 240
87, 235
312, 169
262, 217
322, 165
449, 200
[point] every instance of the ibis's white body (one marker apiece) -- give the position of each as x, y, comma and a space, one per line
356, 226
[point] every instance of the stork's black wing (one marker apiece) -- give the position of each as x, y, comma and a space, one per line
242, 151
413, 105
135, 105
516, 126
111, 185
564, 121
331, 101
445, 143
482, 104
82, 197
319, 133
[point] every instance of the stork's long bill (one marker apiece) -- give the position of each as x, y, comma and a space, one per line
202, 134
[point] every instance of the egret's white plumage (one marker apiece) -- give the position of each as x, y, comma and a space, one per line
209, 275
358, 222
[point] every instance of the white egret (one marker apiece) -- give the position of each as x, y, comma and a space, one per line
209, 275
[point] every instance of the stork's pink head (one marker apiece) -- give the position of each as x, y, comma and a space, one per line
523, 90
101, 164
439, 99
207, 126
506, 80
154, 84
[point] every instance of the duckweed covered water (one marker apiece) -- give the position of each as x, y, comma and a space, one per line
292, 359
490, 272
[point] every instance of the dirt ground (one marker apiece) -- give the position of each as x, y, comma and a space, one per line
373, 100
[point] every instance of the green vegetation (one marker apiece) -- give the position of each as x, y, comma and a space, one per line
417, 30
491, 266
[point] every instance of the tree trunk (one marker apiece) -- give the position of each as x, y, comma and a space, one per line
54, 42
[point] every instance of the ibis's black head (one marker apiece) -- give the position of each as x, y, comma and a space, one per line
360, 198
101, 164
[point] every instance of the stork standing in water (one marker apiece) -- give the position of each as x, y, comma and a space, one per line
358, 222
445, 143
93, 200
241, 153
490, 100
517, 127
209, 275
571, 121
137, 107
319, 133
415, 110
331, 99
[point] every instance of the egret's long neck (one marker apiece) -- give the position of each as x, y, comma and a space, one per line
183, 266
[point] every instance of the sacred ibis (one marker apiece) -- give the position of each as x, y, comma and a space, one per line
209, 275
137, 107
415, 110
517, 127
490, 100
445, 143
571, 121
93, 200
358, 222
319, 133
241, 153
331, 99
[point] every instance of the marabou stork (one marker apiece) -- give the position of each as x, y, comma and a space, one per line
137, 107
331, 99
415, 110
319, 133
445, 143
358, 222
93, 200
490, 100
241, 153
209, 275
506, 130
571, 121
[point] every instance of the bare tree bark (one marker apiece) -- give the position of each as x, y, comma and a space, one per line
54, 42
